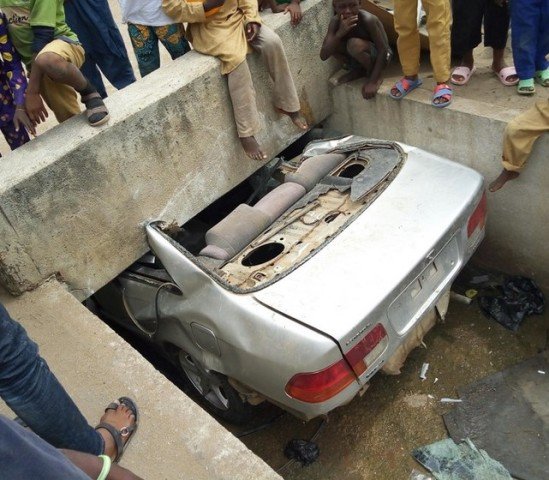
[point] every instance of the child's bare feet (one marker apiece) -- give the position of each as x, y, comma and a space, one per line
503, 178
296, 117
351, 75
123, 420
252, 148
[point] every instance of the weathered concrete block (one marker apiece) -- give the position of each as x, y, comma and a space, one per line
74, 200
469, 132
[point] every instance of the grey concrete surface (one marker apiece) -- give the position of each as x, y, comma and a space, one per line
76, 203
469, 131
176, 439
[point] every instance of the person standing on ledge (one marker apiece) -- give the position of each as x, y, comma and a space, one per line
520, 135
228, 29
439, 21
92, 22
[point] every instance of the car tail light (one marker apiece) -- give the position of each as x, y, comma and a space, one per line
319, 386
361, 356
478, 218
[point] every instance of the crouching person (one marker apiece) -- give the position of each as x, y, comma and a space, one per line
358, 40
53, 55
227, 29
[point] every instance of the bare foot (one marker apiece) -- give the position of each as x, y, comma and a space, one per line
120, 418
503, 178
351, 75
296, 117
252, 148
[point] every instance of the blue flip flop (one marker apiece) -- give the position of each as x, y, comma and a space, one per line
405, 86
440, 91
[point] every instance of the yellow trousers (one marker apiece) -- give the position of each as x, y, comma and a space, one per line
61, 98
521, 134
439, 22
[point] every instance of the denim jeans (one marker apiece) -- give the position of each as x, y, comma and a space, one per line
31, 390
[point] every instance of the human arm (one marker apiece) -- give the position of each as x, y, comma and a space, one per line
92, 465
337, 29
17, 80
190, 12
251, 12
34, 105
294, 10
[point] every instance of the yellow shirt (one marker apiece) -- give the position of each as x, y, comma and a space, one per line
219, 32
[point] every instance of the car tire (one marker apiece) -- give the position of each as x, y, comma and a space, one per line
213, 391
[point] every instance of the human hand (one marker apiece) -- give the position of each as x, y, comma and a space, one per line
346, 24
35, 108
21, 119
295, 13
211, 4
252, 30
369, 90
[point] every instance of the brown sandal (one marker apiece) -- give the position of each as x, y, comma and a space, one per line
96, 111
125, 433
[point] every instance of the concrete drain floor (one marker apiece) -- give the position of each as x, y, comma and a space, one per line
372, 437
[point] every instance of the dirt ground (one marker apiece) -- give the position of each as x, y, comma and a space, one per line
371, 438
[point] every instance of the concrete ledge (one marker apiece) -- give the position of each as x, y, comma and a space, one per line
469, 132
176, 438
74, 200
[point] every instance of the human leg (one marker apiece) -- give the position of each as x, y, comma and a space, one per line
91, 71
173, 39
94, 24
439, 20
408, 37
145, 47
465, 36
60, 62
524, 24
246, 116
542, 50
520, 135
467, 26
496, 28
286, 100
14, 138
408, 46
33, 392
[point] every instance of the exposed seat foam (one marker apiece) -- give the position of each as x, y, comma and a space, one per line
235, 231
276, 202
314, 169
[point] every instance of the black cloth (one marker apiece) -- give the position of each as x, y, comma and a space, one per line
24, 455
468, 17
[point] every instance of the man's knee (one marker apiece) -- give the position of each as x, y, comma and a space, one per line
53, 65
357, 46
272, 41
513, 129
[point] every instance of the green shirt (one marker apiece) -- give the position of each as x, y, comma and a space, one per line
24, 14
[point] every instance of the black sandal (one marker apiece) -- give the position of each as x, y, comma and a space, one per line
124, 432
96, 111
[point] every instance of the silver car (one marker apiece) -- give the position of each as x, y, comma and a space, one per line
298, 290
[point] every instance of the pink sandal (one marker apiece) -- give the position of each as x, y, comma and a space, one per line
505, 73
464, 72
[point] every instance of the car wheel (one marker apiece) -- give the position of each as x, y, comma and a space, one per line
214, 392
